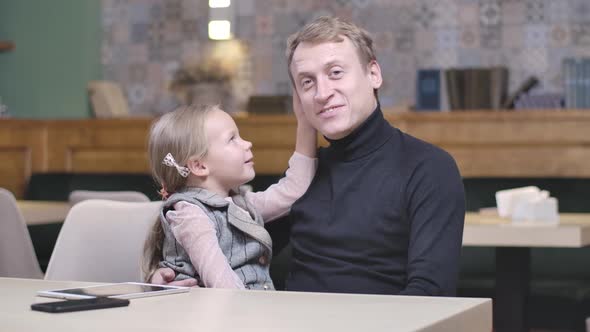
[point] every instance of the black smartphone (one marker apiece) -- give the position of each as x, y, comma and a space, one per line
81, 304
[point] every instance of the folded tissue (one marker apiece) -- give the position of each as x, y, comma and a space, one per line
528, 204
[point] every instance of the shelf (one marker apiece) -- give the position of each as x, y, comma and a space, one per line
534, 144
6, 46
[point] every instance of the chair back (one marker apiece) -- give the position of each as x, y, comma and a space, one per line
77, 196
107, 99
17, 255
103, 241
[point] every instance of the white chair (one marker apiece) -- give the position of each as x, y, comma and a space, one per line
17, 255
77, 196
102, 241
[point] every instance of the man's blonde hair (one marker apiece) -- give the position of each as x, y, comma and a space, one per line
332, 29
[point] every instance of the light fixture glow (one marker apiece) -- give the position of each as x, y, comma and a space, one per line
219, 3
220, 30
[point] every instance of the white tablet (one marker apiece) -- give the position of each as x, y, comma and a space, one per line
125, 290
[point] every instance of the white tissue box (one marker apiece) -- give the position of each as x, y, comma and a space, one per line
527, 204
506, 199
544, 210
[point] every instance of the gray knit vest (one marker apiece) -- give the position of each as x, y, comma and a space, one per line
241, 235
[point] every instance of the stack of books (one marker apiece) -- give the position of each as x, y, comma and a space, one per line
477, 88
576, 79
461, 89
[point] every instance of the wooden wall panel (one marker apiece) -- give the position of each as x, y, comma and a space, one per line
15, 168
22, 151
484, 144
273, 141
508, 144
485, 128
99, 146
521, 161
107, 160
271, 161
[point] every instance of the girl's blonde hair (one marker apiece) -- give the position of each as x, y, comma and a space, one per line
182, 134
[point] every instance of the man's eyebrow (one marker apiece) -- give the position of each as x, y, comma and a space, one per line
333, 63
302, 74
327, 65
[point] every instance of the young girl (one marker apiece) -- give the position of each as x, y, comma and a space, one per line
208, 229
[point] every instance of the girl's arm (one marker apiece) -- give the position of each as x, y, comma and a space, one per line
276, 201
195, 232
306, 140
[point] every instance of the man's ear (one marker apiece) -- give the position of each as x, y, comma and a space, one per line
374, 72
197, 167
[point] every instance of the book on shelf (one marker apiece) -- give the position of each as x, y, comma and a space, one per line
576, 82
586, 84
483, 88
499, 86
568, 71
428, 90
457, 89
579, 84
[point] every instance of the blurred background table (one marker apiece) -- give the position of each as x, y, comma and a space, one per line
513, 243
43, 212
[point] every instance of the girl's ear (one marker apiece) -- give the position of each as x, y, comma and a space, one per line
197, 167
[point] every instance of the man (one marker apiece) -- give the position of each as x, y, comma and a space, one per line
384, 214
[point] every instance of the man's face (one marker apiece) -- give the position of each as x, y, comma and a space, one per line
336, 91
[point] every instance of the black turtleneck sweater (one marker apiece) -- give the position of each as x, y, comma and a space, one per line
383, 215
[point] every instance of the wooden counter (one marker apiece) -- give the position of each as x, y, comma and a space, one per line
485, 144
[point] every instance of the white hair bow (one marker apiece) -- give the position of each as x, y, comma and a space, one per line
169, 161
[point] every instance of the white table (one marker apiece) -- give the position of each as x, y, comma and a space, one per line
573, 231
43, 212
232, 310
513, 243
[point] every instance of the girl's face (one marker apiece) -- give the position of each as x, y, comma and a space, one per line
229, 158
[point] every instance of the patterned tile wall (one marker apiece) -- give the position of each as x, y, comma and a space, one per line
145, 41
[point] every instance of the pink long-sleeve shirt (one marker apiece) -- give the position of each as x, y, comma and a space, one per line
196, 233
